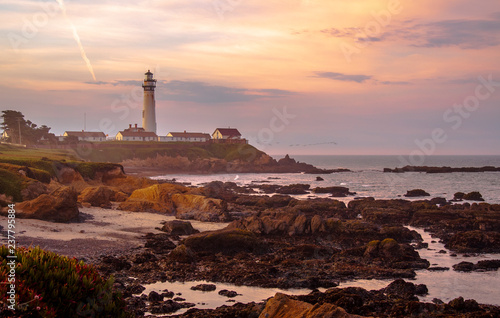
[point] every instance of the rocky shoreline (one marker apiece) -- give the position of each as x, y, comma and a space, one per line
427, 169
262, 163
276, 240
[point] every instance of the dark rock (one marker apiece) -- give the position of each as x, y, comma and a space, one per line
458, 196
167, 294
177, 227
179, 299
228, 241
437, 301
441, 169
294, 189
154, 296
458, 304
159, 243
334, 191
182, 254
402, 289
136, 288
493, 264
473, 196
228, 293
464, 267
438, 201
115, 263
204, 287
144, 258
438, 269
319, 179
165, 308
475, 242
416, 193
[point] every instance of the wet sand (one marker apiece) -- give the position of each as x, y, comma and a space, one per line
98, 231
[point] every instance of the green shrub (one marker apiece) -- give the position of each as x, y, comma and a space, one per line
11, 183
49, 285
89, 169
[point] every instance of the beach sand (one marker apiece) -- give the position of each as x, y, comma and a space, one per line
97, 232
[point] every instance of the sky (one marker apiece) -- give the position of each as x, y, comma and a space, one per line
299, 76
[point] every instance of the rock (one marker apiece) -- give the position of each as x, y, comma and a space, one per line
182, 254
416, 193
144, 257
135, 288
464, 267
317, 224
68, 175
59, 206
115, 263
294, 189
227, 241
156, 198
319, 179
490, 264
300, 226
461, 305
176, 227
204, 287
100, 196
405, 290
166, 307
334, 191
228, 293
281, 306
159, 243
475, 242
441, 169
154, 296
438, 269
198, 207
438, 201
473, 196
459, 196
167, 294
34, 190
128, 184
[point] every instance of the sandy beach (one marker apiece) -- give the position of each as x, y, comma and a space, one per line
98, 231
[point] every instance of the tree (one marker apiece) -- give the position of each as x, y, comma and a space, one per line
16, 126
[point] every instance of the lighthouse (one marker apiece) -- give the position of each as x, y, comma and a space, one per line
148, 111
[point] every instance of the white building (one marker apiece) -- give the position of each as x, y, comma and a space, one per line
136, 134
187, 137
86, 135
226, 133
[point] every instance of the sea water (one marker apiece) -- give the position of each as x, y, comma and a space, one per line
367, 179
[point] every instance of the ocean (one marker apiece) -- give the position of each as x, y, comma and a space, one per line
367, 178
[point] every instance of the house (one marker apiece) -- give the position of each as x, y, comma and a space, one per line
226, 133
5, 134
86, 135
136, 134
187, 136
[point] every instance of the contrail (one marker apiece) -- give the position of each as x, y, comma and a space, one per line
77, 38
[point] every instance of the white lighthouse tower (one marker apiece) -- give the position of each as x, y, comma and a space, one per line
149, 112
